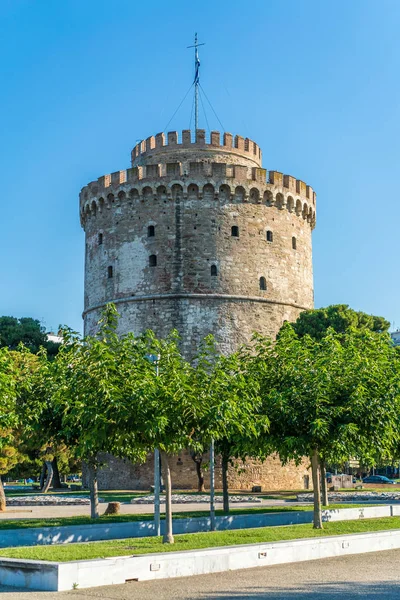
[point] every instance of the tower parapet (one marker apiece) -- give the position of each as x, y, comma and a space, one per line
160, 147
230, 183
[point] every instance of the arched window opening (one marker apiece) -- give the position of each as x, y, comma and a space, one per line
100, 239
151, 231
193, 190
214, 270
268, 198
152, 260
147, 193
235, 231
270, 236
294, 243
263, 283
279, 201
110, 272
239, 194
208, 192
254, 195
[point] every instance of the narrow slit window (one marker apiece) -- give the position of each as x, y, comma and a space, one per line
270, 236
110, 272
235, 231
152, 260
214, 270
294, 243
263, 283
100, 239
151, 231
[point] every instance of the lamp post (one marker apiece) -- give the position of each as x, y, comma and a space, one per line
212, 487
154, 358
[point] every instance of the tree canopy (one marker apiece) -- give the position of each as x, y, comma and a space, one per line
335, 398
27, 331
339, 317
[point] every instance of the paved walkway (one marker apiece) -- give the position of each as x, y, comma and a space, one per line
373, 576
41, 512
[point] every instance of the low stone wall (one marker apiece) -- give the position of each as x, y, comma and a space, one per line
41, 575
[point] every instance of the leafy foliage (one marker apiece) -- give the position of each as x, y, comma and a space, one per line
27, 331
339, 317
336, 397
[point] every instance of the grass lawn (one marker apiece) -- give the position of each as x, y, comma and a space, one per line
194, 541
81, 520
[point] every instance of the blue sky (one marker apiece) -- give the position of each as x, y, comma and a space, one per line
315, 83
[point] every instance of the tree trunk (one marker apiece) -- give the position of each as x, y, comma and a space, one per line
324, 487
42, 476
56, 474
93, 489
225, 490
200, 477
168, 537
49, 477
317, 523
2, 497
198, 460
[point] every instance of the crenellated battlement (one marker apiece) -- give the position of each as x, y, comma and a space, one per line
195, 141
218, 181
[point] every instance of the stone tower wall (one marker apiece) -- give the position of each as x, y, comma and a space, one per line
193, 204
178, 206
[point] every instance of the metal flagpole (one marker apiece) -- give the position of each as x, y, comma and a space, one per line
196, 81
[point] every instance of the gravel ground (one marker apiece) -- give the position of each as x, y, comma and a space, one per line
356, 497
191, 499
372, 576
48, 500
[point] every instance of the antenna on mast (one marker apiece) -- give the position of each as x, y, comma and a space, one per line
196, 81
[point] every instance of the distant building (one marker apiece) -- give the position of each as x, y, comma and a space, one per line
52, 337
396, 337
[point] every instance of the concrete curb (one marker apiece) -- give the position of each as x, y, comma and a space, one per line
113, 531
47, 576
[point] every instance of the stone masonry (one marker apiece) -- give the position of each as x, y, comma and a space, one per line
197, 236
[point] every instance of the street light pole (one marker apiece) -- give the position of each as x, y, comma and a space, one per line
157, 529
154, 358
212, 487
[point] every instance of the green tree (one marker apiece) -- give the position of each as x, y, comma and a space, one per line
160, 408
226, 386
83, 385
8, 419
27, 331
339, 317
335, 398
41, 452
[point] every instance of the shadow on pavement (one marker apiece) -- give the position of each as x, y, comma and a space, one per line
385, 590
